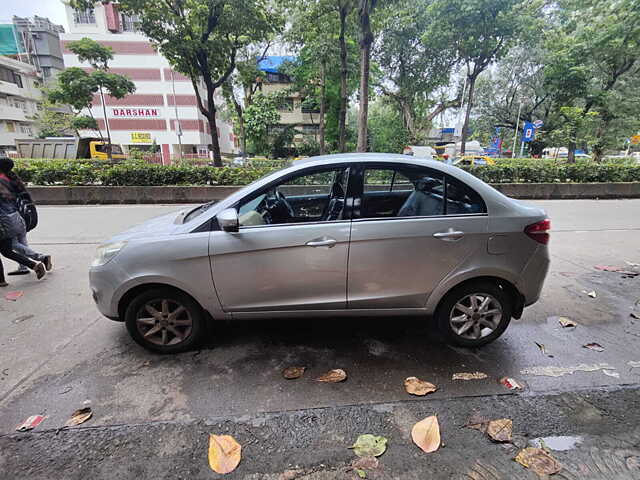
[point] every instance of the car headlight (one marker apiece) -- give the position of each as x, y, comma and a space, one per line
106, 252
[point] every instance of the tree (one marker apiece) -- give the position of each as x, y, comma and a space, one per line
201, 39
415, 67
76, 87
365, 8
260, 119
481, 31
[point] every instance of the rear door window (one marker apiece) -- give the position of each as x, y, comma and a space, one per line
462, 199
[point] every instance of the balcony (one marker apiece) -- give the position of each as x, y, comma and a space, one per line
12, 113
10, 89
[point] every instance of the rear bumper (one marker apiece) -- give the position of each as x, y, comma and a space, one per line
533, 275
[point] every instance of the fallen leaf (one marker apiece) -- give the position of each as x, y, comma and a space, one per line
543, 349
415, 386
30, 423
635, 315
608, 268
361, 473
290, 474
555, 371
366, 463
292, 373
79, 416
538, 460
510, 383
633, 364
333, 376
633, 463
426, 434
477, 422
14, 296
592, 294
369, 446
224, 453
611, 373
500, 430
566, 322
469, 376
147, 363
594, 346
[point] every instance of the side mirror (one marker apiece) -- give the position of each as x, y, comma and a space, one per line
228, 220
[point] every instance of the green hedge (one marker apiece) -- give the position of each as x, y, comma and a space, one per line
65, 172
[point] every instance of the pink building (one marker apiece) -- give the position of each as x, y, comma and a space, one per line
163, 108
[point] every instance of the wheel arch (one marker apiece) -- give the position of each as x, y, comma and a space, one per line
508, 286
133, 292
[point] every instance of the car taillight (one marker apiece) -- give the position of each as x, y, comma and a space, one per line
539, 231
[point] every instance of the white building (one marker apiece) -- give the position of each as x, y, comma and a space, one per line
19, 97
163, 99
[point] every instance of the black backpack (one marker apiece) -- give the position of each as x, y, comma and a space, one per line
26, 207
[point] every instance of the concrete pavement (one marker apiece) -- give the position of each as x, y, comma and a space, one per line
56, 351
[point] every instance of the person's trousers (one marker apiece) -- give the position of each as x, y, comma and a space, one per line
6, 250
21, 246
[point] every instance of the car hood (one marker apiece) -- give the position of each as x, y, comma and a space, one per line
162, 225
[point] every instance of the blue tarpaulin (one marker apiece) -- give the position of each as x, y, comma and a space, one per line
272, 63
8, 40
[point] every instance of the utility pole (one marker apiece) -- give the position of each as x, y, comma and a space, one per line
515, 133
106, 124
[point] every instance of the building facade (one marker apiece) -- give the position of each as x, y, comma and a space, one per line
294, 111
19, 97
40, 43
163, 109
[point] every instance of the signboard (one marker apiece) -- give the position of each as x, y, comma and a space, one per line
538, 123
137, 112
141, 137
635, 139
528, 132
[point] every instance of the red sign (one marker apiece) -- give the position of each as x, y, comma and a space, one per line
138, 112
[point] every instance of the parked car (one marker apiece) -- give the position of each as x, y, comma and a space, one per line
474, 160
337, 235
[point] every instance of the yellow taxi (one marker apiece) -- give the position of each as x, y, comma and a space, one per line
474, 160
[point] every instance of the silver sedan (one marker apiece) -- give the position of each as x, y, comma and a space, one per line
337, 235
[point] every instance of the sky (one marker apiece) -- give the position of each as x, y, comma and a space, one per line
53, 9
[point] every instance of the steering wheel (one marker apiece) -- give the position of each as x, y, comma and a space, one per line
283, 200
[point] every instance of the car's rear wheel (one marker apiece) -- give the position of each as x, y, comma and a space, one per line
474, 314
165, 320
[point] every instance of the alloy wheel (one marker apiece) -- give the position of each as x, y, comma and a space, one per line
164, 322
475, 316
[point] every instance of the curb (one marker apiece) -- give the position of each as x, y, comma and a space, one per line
98, 195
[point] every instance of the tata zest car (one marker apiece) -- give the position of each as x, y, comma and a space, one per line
338, 235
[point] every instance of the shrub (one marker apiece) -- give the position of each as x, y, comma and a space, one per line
91, 172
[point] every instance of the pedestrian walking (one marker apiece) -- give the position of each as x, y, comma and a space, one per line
12, 227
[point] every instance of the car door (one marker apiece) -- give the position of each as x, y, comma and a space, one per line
287, 258
397, 258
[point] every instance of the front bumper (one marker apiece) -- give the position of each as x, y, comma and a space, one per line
103, 283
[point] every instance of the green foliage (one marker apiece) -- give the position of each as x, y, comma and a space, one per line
259, 118
88, 50
386, 132
138, 173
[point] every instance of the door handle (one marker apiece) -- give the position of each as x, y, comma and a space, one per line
450, 235
322, 242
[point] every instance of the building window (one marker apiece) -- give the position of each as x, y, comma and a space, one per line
130, 23
285, 105
277, 78
310, 129
8, 75
11, 127
84, 16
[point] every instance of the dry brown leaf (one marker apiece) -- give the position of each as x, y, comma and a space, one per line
426, 434
333, 376
292, 373
224, 453
366, 463
79, 416
594, 346
538, 460
477, 422
566, 322
543, 349
469, 376
500, 430
415, 386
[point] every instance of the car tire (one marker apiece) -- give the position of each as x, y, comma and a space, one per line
456, 312
165, 320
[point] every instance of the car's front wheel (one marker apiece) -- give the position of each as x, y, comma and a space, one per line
165, 320
474, 314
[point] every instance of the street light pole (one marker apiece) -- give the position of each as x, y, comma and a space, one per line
175, 106
106, 124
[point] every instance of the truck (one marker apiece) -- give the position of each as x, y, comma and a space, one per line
70, 148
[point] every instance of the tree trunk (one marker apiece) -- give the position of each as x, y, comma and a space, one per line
571, 155
365, 59
106, 124
465, 125
215, 143
342, 115
323, 79
240, 115
408, 119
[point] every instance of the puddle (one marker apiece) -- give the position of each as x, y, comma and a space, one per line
559, 444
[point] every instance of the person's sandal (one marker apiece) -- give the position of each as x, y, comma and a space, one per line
48, 262
40, 270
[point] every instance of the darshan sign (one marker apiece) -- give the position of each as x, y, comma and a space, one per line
138, 112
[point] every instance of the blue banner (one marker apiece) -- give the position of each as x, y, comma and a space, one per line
528, 132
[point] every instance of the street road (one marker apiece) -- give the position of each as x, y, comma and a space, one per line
56, 351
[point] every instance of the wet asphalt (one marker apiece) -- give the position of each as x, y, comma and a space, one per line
155, 411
